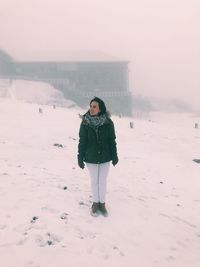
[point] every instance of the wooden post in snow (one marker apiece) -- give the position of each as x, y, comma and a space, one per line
131, 125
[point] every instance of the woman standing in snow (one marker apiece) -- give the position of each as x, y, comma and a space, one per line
97, 147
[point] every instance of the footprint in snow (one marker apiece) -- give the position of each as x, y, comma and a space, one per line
2, 226
51, 210
22, 241
121, 253
64, 217
31, 264
47, 240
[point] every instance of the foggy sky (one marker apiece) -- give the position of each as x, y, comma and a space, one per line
161, 38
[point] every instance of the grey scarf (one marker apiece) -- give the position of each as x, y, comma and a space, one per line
95, 121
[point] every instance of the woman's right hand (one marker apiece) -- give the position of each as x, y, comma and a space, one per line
80, 162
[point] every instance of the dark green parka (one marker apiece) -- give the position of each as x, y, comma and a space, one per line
97, 145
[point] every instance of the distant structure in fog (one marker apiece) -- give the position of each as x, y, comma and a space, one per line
5, 63
80, 76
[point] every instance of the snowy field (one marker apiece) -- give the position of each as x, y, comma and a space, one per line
153, 194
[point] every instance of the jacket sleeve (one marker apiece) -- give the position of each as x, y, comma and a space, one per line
83, 140
113, 144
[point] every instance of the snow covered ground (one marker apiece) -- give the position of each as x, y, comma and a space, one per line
153, 193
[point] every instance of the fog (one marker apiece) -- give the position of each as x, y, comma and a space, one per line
160, 38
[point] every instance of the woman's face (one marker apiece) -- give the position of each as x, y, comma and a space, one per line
94, 108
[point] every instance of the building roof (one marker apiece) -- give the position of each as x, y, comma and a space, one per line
66, 56
4, 56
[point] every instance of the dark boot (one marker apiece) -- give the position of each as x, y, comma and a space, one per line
103, 209
95, 209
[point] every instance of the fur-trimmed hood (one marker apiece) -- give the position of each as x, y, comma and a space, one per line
85, 121
108, 114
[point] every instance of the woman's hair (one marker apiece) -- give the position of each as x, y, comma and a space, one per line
102, 105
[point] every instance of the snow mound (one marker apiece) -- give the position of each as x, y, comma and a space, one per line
33, 92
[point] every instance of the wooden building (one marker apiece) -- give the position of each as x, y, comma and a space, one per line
80, 77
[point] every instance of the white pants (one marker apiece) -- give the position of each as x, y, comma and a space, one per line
98, 175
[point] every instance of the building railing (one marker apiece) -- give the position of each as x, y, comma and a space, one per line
106, 94
71, 87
